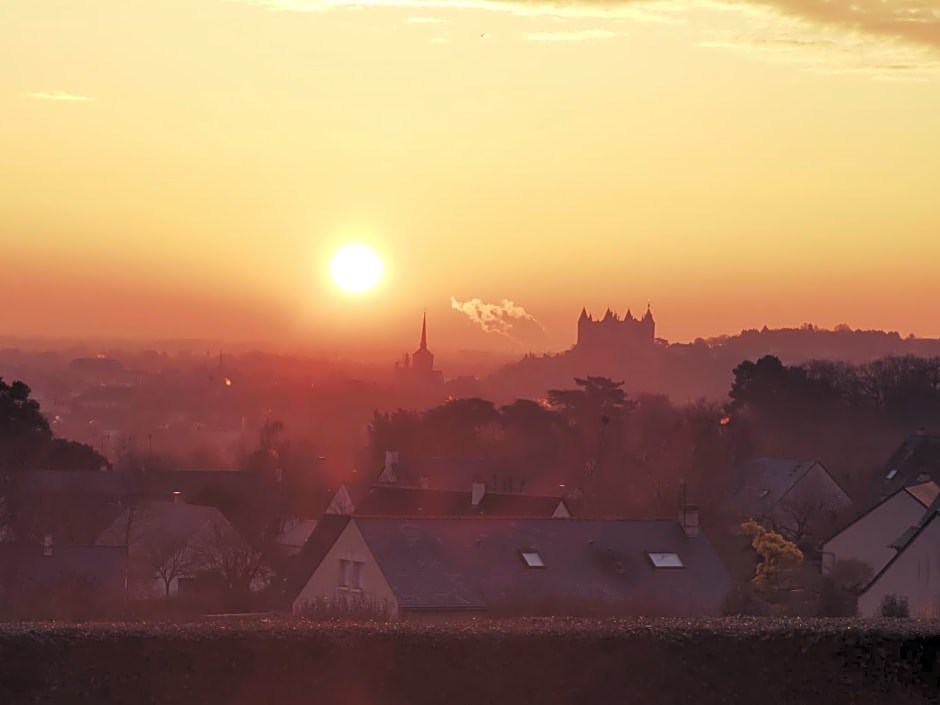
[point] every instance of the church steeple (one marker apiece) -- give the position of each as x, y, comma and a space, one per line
424, 332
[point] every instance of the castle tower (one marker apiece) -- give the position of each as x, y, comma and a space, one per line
649, 324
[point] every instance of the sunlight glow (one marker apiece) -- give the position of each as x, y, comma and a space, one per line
356, 268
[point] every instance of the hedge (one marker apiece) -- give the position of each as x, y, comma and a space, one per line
492, 662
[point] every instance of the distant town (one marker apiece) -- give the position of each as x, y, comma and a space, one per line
144, 483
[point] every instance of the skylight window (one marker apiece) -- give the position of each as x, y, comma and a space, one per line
665, 560
890, 475
532, 559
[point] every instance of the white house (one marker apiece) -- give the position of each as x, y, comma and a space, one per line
869, 538
913, 573
461, 567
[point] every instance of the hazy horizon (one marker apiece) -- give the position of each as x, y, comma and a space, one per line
186, 170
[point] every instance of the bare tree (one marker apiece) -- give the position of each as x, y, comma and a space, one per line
169, 557
800, 515
239, 564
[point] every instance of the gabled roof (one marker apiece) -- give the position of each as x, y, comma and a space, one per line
104, 567
906, 540
172, 521
466, 563
916, 456
765, 481
303, 565
920, 493
393, 501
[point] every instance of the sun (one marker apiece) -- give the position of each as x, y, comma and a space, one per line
356, 268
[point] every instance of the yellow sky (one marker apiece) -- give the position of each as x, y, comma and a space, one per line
186, 167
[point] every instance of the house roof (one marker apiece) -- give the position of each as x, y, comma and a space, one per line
449, 473
391, 501
104, 566
466, 563
925, 493
78, 482
766, 481
906, 540
172, 521
918, 455
920, 493
303, 565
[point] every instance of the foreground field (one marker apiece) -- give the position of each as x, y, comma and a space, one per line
544, 662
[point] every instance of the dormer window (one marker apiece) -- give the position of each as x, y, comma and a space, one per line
532, 559
665, 560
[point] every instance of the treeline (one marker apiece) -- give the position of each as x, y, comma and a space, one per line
637, 454
619, 454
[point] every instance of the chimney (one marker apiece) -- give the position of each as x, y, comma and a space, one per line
477, 490
688, 519
177, 497
424, 482
47, 545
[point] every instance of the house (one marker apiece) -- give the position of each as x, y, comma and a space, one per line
450, 473
294, 536
912, 573
869, 537
169, 544
46, 576
796, 497
464, 567
397, 501
917, 460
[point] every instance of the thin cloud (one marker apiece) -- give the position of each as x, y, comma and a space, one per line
916, 21
439, 40
425, 20
505, 318
583, 35
61, 96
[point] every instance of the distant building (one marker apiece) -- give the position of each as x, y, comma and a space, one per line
614, 333
419, 367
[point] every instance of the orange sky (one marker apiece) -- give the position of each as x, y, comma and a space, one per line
185, 168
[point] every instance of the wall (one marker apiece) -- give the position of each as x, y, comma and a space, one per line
324, 583
816, 493
867, 539
915, 574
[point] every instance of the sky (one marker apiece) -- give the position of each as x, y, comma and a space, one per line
186, 168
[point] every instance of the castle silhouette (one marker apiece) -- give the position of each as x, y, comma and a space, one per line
613, 332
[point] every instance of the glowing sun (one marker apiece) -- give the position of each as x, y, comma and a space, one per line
356, 268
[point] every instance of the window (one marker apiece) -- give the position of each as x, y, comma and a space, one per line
532, 559
890, 475
665, 560
350, 574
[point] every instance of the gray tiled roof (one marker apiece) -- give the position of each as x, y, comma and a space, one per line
765, 481
105, 567
476, 562
917, 456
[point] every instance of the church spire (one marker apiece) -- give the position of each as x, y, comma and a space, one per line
424, 332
